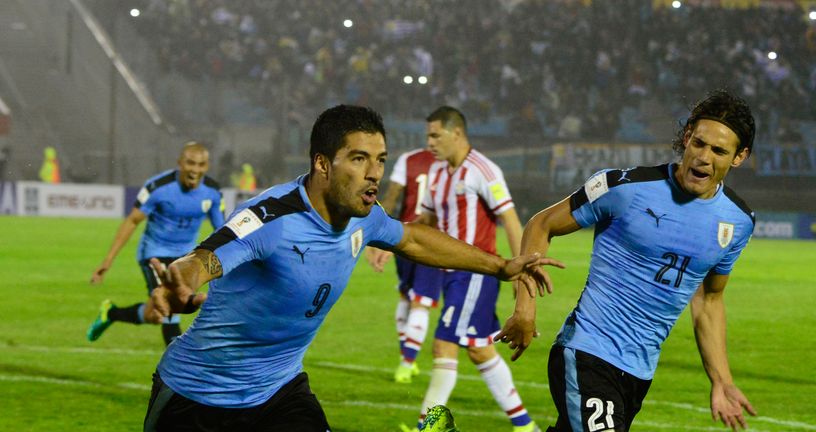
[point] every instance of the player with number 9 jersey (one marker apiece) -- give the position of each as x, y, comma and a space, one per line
283, 266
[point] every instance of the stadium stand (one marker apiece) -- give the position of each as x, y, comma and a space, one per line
539, 65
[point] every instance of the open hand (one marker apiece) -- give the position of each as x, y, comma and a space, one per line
172, 295
526, 269
727, 403
518, 332
99, 274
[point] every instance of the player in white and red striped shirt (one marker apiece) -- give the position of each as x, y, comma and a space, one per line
467, 195
419, 286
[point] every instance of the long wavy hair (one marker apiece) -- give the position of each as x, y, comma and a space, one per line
730, 110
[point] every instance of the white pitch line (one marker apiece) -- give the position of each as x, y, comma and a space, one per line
531, 384
84, 350
690, 407
499, 414
356, 403
460, 376
73, 382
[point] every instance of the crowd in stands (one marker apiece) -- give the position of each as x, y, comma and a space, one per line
564, 68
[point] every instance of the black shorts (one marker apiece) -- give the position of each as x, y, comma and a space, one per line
592, 395
294, 408
150, 275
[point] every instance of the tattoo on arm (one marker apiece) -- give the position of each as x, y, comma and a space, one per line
215, 265
211, 263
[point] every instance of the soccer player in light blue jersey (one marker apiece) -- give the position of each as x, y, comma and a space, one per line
664, 236
174, 203
275, 269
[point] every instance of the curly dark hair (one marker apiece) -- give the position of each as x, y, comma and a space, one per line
732, 111
331, 127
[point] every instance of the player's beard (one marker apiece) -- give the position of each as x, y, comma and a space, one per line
347, 200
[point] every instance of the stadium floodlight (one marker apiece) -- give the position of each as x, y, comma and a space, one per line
772, 55
135, 12
422, 79
407, 79
812, 15
676, 4
348, 23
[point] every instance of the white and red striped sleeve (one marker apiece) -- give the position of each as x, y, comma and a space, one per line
399, 173
436, 170
493, 189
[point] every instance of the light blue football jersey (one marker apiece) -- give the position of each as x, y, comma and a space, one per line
174, 214
654, 244
284, 267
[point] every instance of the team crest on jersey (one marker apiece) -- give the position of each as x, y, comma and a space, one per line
206, 205
459, 188
725, 233
356, 242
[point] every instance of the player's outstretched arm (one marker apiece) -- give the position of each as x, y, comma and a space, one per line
123, 234
520, 329
708, 315
432, 247
179, 283
426, 218
556, 220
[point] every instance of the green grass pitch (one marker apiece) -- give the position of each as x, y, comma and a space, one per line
52, 379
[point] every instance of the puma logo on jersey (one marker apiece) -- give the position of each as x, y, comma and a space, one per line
302, 254
657, 218
266, 215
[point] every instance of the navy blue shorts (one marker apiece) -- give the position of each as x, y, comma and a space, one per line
418, 282
469, 315
293, 408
